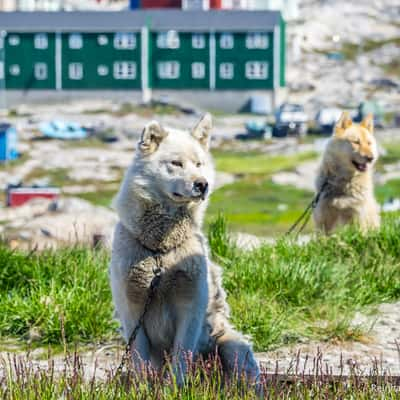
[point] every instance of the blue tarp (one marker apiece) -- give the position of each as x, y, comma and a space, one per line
62, 130
8, 142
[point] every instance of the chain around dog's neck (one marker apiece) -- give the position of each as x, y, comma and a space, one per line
162, 231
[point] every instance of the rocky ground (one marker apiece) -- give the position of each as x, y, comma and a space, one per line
365, 33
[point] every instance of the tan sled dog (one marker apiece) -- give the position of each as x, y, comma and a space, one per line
345, 177
161, 204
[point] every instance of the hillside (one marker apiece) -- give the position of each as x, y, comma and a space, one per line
366, 34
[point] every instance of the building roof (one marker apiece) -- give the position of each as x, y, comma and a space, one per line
166, 19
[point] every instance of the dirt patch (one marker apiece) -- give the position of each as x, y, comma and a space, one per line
379, 351
380, 348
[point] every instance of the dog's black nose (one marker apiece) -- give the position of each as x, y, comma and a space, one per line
200, 185
369, 159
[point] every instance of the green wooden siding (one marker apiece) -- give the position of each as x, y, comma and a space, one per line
98, 64
186, 56
238, 56
283, 54
22, 58
98, 57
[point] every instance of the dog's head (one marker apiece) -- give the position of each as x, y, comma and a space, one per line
177, 164
354, 144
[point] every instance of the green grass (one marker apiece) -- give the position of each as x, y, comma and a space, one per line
43, 292
390, 189
258, 206
101, 197
351, 50
307, 291
57, 176
392, 153
253, 204
256, 163
297, 286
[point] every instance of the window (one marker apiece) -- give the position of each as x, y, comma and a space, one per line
257, 41
102, 40
15, 70
102, 70
75, 41
75, 71
198, 41
124, 70
40, 41
256, 70
226, 41
124, 41
168, 69
198, 70
226, 71
168, 40
40, 71
13, 40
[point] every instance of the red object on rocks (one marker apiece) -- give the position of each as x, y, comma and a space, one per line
18, 196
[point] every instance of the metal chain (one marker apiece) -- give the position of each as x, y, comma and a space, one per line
154, 284
305, 217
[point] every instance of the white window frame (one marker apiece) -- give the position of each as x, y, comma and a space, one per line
1, 70
75, 41
41, 41
15, 70
124, 70
168, 69
14, 40
168, 40
102, 40
226, 70
226, 41
198, 40
75, 71
40, 71
257, 40
198, 70
256, 70
124, 40
102, 70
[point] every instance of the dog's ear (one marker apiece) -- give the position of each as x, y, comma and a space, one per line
368, 123
152, 136
343, 123
202, 130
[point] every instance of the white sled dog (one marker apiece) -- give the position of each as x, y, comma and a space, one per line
161, 204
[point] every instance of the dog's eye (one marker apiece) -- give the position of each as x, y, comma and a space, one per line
177, 163
198, 165
357, 141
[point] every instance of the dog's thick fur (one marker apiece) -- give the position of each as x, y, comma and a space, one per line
161, 211
346, 178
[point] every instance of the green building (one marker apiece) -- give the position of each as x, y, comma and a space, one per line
142, 50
